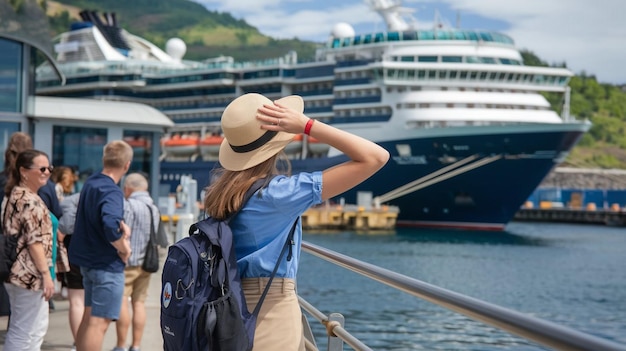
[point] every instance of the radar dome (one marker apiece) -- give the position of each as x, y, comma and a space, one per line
342, 30
176, 48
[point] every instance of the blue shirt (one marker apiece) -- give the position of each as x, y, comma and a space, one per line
49, 196
98, 217
261, 227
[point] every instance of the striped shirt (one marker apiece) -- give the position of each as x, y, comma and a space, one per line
137, 217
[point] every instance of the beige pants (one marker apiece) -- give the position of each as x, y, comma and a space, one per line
279, 324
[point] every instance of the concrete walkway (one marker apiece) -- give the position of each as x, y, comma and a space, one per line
59, 337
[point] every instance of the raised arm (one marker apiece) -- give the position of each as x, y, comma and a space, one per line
366, 157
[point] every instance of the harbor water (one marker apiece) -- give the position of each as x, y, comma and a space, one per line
573, 275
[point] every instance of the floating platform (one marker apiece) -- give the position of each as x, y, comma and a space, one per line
350, 217
613, 216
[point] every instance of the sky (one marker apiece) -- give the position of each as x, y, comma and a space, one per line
589, 36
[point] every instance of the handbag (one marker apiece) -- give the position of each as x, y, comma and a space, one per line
151, 259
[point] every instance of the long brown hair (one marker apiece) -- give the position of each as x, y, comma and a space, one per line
18, 142
225, 194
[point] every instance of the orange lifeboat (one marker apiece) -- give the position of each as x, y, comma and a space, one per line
295, 146
316, 147
185, 145
210, 145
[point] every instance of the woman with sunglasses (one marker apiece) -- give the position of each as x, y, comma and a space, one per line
30, 284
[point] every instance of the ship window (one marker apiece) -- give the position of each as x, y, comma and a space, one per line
411, 74
443, 35
427, 59
407, 58
421, 73
357, 40
379, 37
463, 74
485, 36
473, 75
493, 75
505, 61
346, 42
426, 35
393, 36
409, 35
10, 75
472, 59
432, 74
459, 35
487, 60
451, 59
473, 36
483, 75
453, 74
367, 39
442, 74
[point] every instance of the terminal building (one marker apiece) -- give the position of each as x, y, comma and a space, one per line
72, 132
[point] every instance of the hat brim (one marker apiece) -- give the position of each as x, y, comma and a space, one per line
238, 161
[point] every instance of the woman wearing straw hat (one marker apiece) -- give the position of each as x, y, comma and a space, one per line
256, 130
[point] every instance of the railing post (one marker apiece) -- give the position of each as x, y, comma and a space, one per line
335, 343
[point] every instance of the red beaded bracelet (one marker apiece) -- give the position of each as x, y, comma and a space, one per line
307, 127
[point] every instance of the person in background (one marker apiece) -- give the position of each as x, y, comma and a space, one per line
100, 245
18, 142
72, 280
59, 251
256, 131
138, 210
30, 283
64, 179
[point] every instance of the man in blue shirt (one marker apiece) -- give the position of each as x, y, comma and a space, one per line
100, 245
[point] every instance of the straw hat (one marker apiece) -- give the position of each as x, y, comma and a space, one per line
245, 144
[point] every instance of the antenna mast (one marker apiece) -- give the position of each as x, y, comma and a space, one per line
394, 14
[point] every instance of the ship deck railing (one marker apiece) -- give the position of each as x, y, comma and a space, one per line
543, 332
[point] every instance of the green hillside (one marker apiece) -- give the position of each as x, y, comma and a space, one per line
210, 34
206, 33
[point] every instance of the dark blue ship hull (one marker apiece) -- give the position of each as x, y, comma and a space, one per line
474, 196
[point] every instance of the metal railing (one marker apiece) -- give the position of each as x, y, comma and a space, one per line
549, 334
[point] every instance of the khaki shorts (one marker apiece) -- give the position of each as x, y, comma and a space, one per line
136, 282
279, 324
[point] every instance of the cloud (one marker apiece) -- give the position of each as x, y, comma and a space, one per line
587, 35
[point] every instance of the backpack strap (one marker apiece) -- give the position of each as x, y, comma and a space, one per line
288, 244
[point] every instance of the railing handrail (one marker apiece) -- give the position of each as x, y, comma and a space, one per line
541, 331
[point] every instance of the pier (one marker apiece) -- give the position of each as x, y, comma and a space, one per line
351, 217
570, 215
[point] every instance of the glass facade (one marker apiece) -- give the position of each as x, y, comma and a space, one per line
10, 76
78, 147
75, 139
141, 142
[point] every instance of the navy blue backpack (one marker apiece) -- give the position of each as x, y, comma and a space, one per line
202, 304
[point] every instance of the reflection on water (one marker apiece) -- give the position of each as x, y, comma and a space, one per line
571, 275
467, 237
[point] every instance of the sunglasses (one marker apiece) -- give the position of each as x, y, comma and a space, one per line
43, 169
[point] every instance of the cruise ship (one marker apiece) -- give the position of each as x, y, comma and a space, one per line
469, 133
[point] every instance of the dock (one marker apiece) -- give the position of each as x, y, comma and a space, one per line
350, 217
557, 212
326, 217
